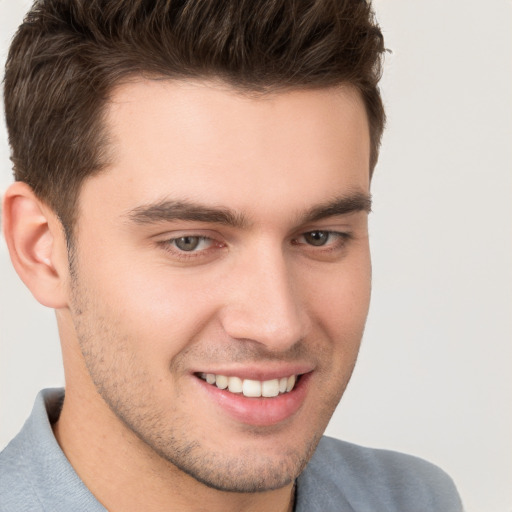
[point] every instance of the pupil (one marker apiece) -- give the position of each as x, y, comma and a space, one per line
187, 243
316, 237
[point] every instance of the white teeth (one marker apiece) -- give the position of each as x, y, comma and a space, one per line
291, 383
270, 388
235, 384
221, 381
251, 388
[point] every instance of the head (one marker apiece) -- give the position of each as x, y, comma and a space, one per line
209, 163
68, 57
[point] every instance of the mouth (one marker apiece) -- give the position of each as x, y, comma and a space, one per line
251, 388
259, 403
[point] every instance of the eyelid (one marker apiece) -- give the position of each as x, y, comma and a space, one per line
165, 241
184, 231
334, 248
332, 232
200, 239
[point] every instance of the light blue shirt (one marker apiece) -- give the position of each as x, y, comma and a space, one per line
35, 475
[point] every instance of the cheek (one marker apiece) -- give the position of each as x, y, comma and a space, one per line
340, 299
154, 312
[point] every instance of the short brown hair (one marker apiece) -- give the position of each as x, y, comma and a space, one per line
68, 55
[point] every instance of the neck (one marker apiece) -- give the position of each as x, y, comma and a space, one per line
124, 474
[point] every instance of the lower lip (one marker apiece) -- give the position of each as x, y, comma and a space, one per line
259, 411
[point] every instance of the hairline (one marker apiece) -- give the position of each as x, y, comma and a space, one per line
245, 90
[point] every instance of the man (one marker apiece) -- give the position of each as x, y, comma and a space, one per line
191, 197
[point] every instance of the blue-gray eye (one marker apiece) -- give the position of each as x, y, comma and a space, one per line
317, 238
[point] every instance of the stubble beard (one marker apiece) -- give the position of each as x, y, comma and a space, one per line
127, 390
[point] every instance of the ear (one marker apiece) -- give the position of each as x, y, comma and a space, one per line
37, 245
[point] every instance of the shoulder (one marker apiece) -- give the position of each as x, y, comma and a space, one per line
25, 459
34, 472
16, 493
366, 479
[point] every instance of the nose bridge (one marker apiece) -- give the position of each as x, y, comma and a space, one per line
265, 305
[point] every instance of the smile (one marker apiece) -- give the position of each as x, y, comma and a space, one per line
251, 388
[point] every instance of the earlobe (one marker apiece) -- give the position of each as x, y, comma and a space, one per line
36, 242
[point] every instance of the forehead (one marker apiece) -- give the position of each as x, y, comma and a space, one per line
208, 143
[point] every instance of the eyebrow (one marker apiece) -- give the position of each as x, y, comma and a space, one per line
169, 210
344, 205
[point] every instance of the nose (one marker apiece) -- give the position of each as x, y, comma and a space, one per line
264, 302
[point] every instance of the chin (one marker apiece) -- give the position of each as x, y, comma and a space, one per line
247, 470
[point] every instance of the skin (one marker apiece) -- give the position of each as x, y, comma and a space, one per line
139, 318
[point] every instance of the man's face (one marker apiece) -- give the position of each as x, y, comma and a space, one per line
226, 245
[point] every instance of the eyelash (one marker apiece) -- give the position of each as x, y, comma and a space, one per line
341, 238
169, 245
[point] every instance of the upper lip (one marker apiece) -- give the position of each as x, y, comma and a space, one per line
269, 372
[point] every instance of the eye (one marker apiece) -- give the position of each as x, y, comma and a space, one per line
191, 248
317, 238
191, 243
323, 242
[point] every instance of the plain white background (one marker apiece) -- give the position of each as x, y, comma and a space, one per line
434, 374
